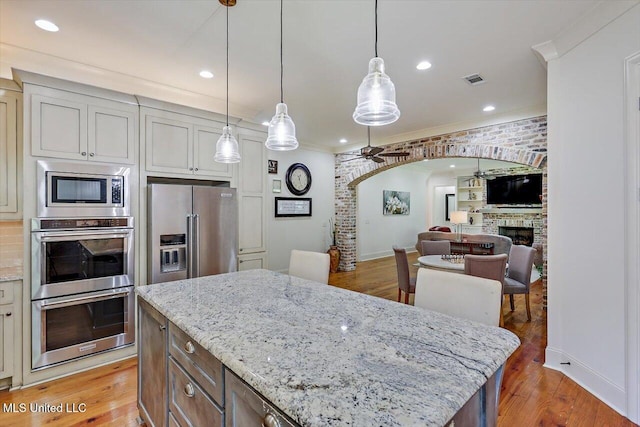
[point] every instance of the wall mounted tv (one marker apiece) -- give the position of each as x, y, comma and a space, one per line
515, 190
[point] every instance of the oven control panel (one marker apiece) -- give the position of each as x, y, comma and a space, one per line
80, 223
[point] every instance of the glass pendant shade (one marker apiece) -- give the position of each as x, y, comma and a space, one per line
282, 131
376, 97
227, 147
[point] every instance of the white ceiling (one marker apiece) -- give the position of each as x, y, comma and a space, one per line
327, 46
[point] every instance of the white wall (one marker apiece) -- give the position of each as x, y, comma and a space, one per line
586, 252
377, 233
306, 233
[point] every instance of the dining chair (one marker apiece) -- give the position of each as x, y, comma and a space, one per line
487, 266
435, 247
406, 283
518, 279
459, 295
309, 265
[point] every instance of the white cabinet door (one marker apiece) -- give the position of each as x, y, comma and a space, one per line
169, 144
6, 340
58, 127
251, 185
112, 134
204, 148
252, 261
8, 154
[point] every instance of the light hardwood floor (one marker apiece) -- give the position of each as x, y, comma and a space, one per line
531, 395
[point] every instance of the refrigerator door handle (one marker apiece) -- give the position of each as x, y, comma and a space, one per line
196, 245
189, 246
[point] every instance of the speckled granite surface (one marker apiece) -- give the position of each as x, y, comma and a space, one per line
331, 357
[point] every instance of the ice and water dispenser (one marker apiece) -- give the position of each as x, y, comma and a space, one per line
173, 252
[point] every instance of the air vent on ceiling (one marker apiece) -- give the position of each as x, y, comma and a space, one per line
474, 79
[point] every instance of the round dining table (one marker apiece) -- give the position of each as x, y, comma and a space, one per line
436, 262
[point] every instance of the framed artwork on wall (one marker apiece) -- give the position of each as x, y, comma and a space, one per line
396, 202
292, 206
272, 166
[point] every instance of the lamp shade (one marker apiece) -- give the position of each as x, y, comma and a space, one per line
282, 131
376, 97
227, 147
459, 217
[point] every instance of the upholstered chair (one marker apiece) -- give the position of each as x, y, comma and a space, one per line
406, 283
487, 266
518, 278
435, 247
459, 295
309, 265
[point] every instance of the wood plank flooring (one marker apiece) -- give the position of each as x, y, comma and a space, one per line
531, 395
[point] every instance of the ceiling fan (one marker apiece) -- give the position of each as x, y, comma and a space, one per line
480, 174
376, 153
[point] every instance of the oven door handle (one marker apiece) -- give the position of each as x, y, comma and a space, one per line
83, 300
73, 235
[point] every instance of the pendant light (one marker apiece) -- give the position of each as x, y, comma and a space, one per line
376, 94
282, 131
227, 146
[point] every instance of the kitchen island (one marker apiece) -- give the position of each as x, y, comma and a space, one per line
325, 356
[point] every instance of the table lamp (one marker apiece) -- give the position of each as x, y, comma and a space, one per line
458, 218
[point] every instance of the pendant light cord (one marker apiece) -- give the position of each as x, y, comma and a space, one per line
281, 66
227, 65
376, 48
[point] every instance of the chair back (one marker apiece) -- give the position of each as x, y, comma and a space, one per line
435, 247
459, 295
309, 265
487, 266
402, 265
521, 263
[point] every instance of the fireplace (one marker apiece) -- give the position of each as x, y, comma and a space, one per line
519, 235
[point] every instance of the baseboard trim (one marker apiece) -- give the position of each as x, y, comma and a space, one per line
606, 391
383, 254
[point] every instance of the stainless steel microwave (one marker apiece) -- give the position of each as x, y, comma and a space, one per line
81, 190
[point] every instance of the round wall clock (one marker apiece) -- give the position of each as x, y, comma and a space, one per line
298, 179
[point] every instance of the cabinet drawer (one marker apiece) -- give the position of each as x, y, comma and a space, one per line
6, 293
246, 408
198, 362
172, 421
188, 403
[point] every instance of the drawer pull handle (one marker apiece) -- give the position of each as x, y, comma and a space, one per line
189, 391
270, 420
8, 314
163, 327
84, 153
189, 348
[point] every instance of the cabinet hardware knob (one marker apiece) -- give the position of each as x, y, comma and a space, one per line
189, 348
84, 153
8, 314
270, 420
190, 169
91, 154
196, 168
163, 327
241, 261
189, 391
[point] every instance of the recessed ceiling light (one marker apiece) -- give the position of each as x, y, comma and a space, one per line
489, 108
205, 74
265, 123
424, 65
47, 25
452, 166
343, 141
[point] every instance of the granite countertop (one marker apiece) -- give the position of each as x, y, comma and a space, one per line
331, 357
8, 274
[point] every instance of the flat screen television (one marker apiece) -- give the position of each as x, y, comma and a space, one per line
515, 190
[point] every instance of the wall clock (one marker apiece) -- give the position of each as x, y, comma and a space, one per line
298, 179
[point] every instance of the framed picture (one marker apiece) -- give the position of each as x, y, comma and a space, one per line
292, 206
449, 205
276, 186
272, 166
396, 202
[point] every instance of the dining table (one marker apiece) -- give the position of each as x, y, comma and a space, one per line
456, 265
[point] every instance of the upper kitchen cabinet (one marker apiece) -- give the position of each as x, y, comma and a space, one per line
180, 141
79, 122
10, 149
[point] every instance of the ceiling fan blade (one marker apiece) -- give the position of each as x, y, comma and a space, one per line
377, 159
394, 154
375, 150
353, 158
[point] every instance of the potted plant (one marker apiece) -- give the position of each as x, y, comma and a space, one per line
334, 252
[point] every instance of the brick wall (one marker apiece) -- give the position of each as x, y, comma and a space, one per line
521, 141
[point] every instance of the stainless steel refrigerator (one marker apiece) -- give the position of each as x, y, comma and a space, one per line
193, 231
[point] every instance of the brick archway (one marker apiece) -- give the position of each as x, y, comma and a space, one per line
522, 141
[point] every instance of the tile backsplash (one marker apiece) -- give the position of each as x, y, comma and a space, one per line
11, 244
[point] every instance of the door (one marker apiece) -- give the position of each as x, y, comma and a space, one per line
58, 127
216, 220
111, 134
169, 219
8, 153
204, 148
169, 143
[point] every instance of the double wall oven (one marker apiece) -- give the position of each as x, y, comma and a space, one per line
82, 265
